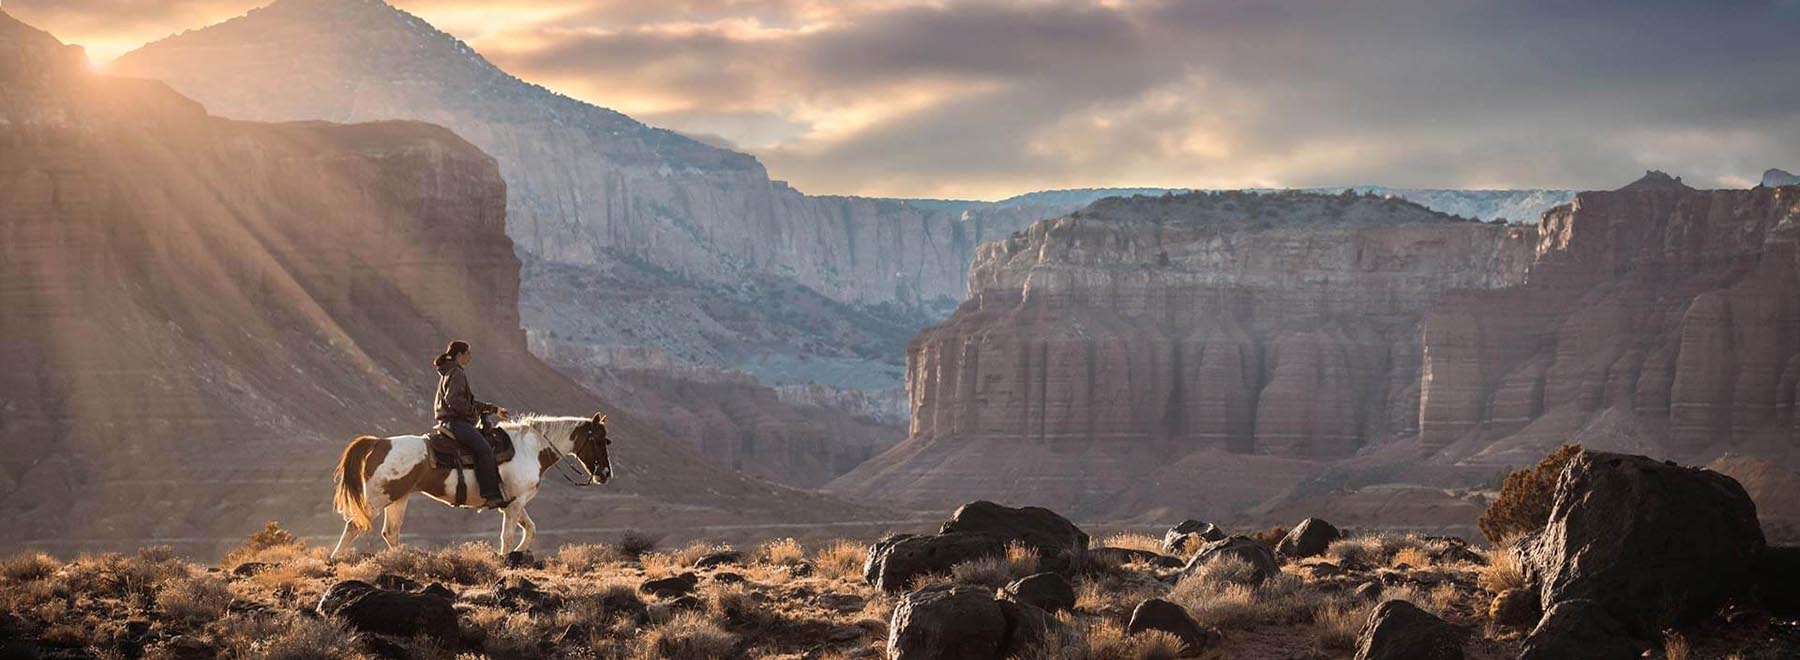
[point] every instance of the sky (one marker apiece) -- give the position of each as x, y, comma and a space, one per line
985, 99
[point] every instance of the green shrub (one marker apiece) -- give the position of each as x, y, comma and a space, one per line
1525, 499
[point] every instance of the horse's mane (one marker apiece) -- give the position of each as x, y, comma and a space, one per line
544, 424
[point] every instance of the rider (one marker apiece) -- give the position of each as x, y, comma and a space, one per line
458, 411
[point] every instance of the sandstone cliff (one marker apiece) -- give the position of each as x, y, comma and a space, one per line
200, 312
1174, 337
1137, 333
1654, 316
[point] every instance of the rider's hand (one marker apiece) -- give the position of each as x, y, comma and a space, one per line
502, 414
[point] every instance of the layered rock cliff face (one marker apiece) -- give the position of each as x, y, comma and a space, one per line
1140, 331
1656, 314
200, 312
1142, 334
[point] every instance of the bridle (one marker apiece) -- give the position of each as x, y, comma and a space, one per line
575, 450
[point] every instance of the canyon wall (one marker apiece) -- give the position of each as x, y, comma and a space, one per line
1656, 315
1141, 331
200, 312
1224, 332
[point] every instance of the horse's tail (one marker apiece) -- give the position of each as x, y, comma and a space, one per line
349, 476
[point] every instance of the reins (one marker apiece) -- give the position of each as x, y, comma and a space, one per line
562, 465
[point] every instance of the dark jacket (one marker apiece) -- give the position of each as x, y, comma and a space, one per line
454, 400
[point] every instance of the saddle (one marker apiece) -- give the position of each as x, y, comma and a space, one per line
447, 453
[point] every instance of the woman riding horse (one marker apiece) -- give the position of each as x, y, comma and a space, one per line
458, 412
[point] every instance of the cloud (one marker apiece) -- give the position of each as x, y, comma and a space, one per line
985, 99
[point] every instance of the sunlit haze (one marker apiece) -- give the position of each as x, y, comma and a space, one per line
988, 99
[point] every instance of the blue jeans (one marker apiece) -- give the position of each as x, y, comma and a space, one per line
487, 472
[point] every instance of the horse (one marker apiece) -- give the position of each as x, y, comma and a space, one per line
381, 473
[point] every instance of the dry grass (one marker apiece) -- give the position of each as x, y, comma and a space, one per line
194, 600
1108, 640
1502, 571
677, 561
1021, 559
1338, 623
590, 557
687, 636
1410, 556
841, 560
1133, 541
636, 543
468, 563
786, 552
27, 567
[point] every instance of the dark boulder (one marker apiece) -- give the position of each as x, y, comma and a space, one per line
1370, 590
1514, 608
1190, 534
947, 622
250, 568
368, 608
1308, 539
522, 559
1398, 630
1050, 592
1778, 581
1159, 614
1655, 544
1262, 563
895, 562
1056, 539
1027, 628
872, 562
720, 558
1579, 630
670, 587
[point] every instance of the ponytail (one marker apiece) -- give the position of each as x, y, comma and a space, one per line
455, 348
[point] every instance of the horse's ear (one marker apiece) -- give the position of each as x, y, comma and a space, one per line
599, 418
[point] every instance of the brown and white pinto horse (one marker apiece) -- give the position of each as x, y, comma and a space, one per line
380, 473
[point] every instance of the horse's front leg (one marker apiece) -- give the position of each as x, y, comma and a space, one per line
527, 528
506, 525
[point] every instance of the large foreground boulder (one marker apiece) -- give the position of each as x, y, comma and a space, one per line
371, 609
1398, 630
1310, 538
1190, 534
1778, 581
1579, 630
1055, 538
1243, 548
960, 622
947, 622
894, 562
1654, 544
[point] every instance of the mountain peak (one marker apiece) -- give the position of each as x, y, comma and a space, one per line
1779, 177
1655, 181
29, 53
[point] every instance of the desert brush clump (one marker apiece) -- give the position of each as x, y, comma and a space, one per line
1525, 498
687, 636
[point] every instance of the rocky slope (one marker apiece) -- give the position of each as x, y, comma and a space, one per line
1143, 332
1140, 335
201, 311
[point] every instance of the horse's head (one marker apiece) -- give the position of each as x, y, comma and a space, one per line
590, 443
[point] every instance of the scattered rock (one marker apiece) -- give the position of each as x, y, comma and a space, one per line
1257, 555
1053, 536
522, 559
895, 562
1579, 629
727, 578
842, 602
1159, 614
947, 622
519, 593
250, 568
1514, 608
1659, 545
1308, 539
1778, 581
1398, 630
720, 558
687, 602
1050, 592
369, 608
1183, 538
670, 587
1027, 628
1324, 569
627, 604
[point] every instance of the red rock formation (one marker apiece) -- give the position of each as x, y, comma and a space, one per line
199, 312
1655, 314
1107, 345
